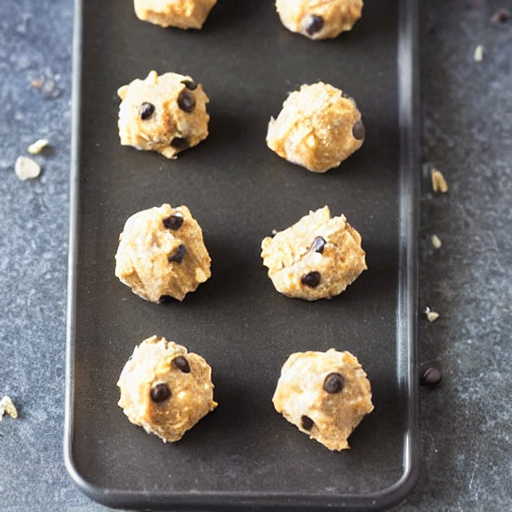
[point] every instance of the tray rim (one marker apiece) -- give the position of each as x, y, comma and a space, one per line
409, 135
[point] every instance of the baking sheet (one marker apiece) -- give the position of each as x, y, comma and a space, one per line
244, 454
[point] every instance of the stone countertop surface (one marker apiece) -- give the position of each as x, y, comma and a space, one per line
466, 108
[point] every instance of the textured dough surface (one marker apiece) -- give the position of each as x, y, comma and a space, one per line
174, 13
168, 128
317, 128
328, 417
191, 393
319, 244
157, 261
319, 19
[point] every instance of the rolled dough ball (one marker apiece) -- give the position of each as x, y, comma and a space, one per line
317, 128
316, 258
161, 254
174, 13
319, 19
324, 394
164, 113
165, 389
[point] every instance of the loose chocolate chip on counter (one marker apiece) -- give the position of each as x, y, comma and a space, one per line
312, 279
318, 244
306, 422
146, 110
500, 16
186, 101
190, 85
334, 383
174, 222
358, 130
179, 143
178, 255
160, 392
313, 24
181, 363
431, 377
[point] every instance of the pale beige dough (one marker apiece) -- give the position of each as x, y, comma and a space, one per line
319, 19
165, 389
324, 394
316, 258
183, 14
318, 128
165, 113
161, 253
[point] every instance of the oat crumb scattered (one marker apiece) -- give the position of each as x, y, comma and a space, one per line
37, 146
436, 241
26, 168
438, 182
479, 53
432, 316
7, 407
500, 16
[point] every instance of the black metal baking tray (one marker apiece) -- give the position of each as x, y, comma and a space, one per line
244, 455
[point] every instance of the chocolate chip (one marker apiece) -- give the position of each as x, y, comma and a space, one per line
318, 244
306, 422
160, 392
186, 101
146, 110
181, 363
178, 255
164, 298
500, 16
334, 383
358, 130
190, 85
179, 143
312, 279
174, 222
313, 24
431, 377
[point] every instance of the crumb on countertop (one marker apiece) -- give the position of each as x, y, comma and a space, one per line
7, 407
432, 316
438, 181
479, 53
26, 168
37, 146
436, 241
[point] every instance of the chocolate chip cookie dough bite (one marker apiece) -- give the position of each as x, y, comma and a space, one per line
316, 258
318, 128
161, 254
324, 394
165, 113
165, 389
182, 14
319, 19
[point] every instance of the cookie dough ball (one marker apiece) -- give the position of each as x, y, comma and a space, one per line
164, 113
165, 389
324, 394
161, 254
316, 258
174, 13
317, 128
319, 19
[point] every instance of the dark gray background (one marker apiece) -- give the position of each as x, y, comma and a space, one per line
466, 111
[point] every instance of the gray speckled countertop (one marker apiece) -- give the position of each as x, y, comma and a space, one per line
466, 424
